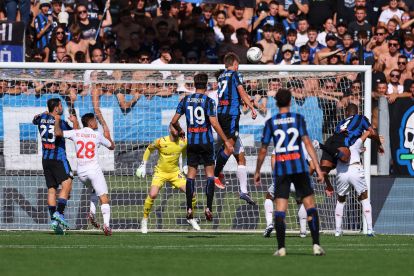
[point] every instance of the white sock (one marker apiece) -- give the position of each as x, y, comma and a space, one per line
106, 213
302, 218
242, 176
94, 202
268, 206
339, 213
367, 210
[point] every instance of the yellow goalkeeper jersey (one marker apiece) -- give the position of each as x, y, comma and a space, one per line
169, 153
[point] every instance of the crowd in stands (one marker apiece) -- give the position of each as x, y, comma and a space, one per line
379, 33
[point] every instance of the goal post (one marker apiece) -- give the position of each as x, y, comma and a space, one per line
137, 104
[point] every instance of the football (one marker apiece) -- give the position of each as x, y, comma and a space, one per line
254, 54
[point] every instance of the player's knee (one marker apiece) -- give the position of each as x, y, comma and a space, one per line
153, 196
363, 195
280, 216
241, 159
269, 196
341, 199
104, 199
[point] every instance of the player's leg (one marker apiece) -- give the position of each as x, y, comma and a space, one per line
282, 189
342, 190
304, 190
63, 175
93, 202
302, 215
101, 189
242, 172
367, 210
268, 208
208, 161
179, 182
190, 189
52, 186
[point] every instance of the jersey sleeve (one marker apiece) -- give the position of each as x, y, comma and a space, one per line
36, 120
302, 126
365, 123
180, 108
65, 126
69, 134
238, 79
211, 108
103, 140
267, 133
151, 147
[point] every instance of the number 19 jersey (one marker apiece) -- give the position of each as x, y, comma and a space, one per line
87, 142
286, 130
197, 108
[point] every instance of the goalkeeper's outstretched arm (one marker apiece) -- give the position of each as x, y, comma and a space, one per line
142, 169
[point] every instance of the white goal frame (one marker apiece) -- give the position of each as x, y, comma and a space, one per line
200, 67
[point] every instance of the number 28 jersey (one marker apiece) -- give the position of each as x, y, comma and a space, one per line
87, 142
286, 131
197, 109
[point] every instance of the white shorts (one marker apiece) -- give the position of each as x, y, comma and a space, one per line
238, 146
347, 176
96, 179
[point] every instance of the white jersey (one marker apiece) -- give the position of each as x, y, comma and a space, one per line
87, 142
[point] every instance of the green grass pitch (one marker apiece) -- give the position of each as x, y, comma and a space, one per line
189, 253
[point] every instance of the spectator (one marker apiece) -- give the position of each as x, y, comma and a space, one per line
162, 32
80, 57
313, 44
328, 27
124, 29
220, 22
190, 42
363, 49
93, 9
303, 26
191, 58
290, 21
24, 8
207, 16
77, 43
225, 46
111, 53
380, 91
211, 46
278, 35
144, 57
394, 86
43, 24
135, 45
348, 48
341, 29
327, 102
237, 19
331, 49
267, 14
269, 47
389, 59
242, 45
150, 44
172, 22
141, 16
334, 60
274, 85
302, 6
345, 11
56, 9
90, 27
379, 44
392, 27
390, 12
408, 49
58, 39
257, 95
287, 53
402, 69
304, 54
360, 24
165, 58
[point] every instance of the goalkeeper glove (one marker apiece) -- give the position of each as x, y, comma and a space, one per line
141, 171
185, 169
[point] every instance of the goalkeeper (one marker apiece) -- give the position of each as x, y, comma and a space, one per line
167, 170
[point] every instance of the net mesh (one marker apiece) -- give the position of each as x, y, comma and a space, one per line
138, 106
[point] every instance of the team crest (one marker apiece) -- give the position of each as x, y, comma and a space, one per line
405, 154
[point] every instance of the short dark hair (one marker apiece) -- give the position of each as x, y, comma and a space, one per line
352, 109
86, 118
52, 104
200, 81
283, 97
230, 58
218, 73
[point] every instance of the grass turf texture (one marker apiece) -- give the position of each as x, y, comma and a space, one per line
188, 253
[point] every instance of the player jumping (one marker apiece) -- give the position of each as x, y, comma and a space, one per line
231, 94
56, 167
87, 141
353, 174
167, 170
287, 130
200, 116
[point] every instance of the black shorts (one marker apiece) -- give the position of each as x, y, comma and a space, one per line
230, 125
301, 181
56, 171
334, 142
200, 155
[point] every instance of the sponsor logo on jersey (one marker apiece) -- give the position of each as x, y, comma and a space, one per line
405, 154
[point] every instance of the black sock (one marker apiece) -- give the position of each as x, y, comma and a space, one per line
61, 205
210, 192
280, 228
313, 224
52, 210
220, 162
189, 192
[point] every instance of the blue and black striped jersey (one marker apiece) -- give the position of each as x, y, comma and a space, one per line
286, 130
197, 109
53, 147
353, 126
229, 98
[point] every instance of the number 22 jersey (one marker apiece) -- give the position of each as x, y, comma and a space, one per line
87, 142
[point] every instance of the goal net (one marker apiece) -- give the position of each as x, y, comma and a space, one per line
138, 102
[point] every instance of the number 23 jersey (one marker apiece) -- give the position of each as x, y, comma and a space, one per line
87, 142
287, 130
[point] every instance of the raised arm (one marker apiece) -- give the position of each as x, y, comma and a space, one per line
312, 154
246, 100
175, 126
260, 159
58, 129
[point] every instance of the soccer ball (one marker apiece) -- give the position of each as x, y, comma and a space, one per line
254, 54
